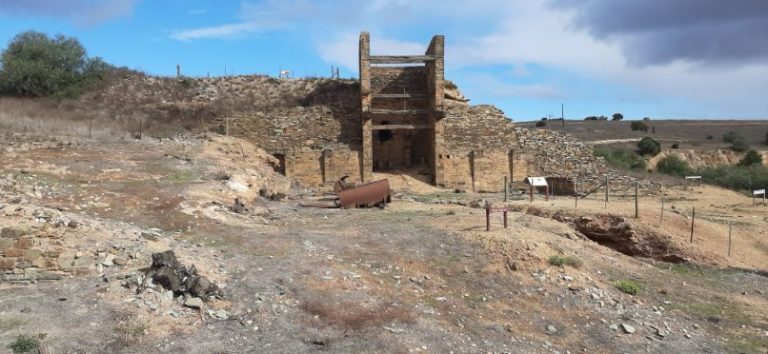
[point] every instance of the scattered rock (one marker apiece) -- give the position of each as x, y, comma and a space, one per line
109, 260
551, 329
167, 271
627, 328
221, 314
194, 302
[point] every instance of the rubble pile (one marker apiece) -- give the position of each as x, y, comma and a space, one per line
166, 270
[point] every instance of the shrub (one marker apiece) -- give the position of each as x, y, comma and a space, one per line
628, 286
35, 65
450, 85
639, 126
732, 137
740, 146
751, 158
26, 344
559, 261
736, 177
621, 158
675, 145
617, 116
541, 124
673, 165
710, 137
648, 146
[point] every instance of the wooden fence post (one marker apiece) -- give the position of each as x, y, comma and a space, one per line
637, 212
576, 193
487, 216
661, 217
693, 221
506, 188
730, 228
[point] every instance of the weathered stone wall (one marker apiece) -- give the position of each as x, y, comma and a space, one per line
558, 154
316, 168
481, 127
411, 79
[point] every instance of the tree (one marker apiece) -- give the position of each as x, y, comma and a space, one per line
648, 146
35, 65
638, 125
617, 116
673, 165
732, 137
751, 158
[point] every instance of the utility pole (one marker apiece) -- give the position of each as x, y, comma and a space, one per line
562, 114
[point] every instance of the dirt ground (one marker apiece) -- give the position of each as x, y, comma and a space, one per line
421, 275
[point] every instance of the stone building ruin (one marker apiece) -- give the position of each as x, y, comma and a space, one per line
401, 118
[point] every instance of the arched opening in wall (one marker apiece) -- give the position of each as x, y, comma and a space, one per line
280, 167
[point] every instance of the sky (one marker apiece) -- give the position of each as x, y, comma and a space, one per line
679, 59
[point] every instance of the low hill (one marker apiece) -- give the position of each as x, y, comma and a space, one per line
699, 134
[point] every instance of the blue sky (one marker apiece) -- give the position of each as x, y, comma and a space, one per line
644, 58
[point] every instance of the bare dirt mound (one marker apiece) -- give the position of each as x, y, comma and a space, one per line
407, 183
617, 233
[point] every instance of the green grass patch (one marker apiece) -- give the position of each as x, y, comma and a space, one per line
630, 287
26, 344
561, 260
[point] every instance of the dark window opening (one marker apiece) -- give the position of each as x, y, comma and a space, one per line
384, 135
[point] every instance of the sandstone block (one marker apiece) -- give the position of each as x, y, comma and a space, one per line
32, 255
5, 243
13, 252
7, 263
23, 243
13, 232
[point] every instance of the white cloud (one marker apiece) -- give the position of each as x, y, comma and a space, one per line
216, 32
343, 49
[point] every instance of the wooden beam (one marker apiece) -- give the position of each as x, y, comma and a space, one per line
399, 95
400, 111
400, 127
400, 59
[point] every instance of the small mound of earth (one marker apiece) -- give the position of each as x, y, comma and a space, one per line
617, 233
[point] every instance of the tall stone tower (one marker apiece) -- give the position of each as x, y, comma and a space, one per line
402, 110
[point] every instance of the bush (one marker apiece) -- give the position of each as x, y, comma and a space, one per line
674, 166
751, 158
732, 137
541, 124
639, 126
675, 145
739, 146
26, 344
560, 261
617, 116
741, 178
621, 158
648, 146
35, 65
628, 286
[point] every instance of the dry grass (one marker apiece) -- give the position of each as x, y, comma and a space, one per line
42, 117
131, 330
353, 316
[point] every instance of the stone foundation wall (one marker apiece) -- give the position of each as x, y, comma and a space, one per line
319, 168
